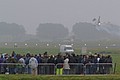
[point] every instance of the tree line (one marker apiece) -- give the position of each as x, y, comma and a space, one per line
52, 31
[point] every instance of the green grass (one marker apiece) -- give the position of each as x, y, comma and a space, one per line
31, 50
52, 77
54, 51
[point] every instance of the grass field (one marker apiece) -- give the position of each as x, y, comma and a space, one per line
115, 53
52, 77
54, 50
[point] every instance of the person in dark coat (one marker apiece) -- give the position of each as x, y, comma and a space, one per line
59, 63
108, 66
101, 67
51, 60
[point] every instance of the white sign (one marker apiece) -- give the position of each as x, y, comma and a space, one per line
84, 50
6, 43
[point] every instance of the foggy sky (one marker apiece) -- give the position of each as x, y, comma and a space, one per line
31, 13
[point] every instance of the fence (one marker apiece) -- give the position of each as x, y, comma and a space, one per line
52, 69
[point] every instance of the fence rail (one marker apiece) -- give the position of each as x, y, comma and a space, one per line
52, 69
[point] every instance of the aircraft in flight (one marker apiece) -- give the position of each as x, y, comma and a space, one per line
97, 21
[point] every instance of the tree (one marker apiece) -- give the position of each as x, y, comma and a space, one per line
50, 31
87, 31
11, 29
11, 32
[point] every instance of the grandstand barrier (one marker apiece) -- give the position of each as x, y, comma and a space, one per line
99, 68
52, 69
75, 68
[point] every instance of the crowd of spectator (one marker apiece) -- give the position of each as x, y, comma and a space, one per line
55, 64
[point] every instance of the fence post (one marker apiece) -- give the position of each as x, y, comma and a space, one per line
114, 68
55, 69
84, 69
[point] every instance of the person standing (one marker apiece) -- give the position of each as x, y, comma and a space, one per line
59, 64
33, 63
51, 67
66, 66
21, 67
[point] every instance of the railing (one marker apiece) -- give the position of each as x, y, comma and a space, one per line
52, 69
99, 68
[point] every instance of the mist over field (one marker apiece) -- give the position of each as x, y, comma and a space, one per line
82, 31
59, 20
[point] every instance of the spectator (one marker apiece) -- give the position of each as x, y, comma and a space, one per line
1, 66
44, 68
33, 63
39, 59
27, 68
59, 60
101, 66
108, 66
51, 67
66, 66
12, 68
21, 67
72, 60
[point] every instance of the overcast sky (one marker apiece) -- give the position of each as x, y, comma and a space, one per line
31, 13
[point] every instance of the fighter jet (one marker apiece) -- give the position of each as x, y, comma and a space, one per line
97, 22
